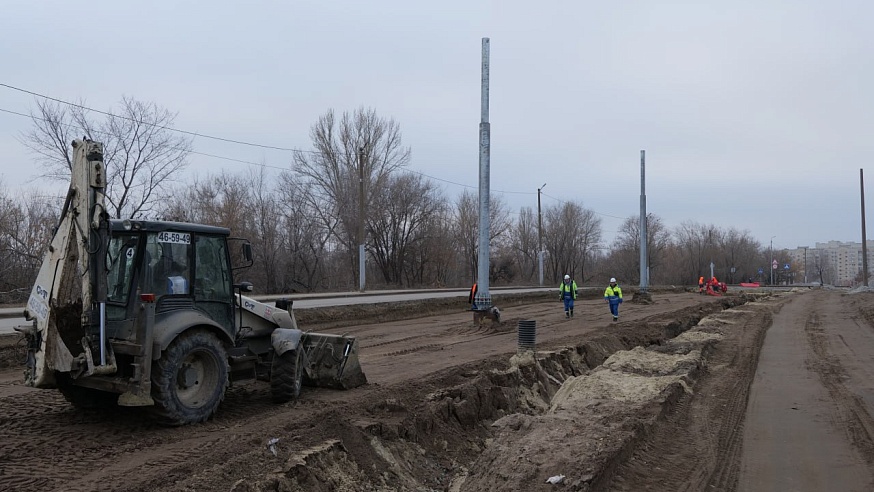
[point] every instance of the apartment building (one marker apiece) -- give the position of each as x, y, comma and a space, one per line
834, 263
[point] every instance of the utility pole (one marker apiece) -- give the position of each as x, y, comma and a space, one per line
540, 236
483, 297
864, 238
771, 254
361, 218
644, 266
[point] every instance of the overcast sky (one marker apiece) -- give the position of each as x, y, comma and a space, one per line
753, 114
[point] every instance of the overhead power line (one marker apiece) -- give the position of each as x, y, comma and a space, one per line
466, 186
186, 132
241, 161
211, 137
595, 211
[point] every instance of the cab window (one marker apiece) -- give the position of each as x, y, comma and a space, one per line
121, 258
212, 277
168, 263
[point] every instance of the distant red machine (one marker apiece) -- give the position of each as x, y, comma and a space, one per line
713, 287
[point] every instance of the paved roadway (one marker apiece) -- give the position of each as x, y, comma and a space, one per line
11, 317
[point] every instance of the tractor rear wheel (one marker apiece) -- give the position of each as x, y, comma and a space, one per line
286, 376
190, 379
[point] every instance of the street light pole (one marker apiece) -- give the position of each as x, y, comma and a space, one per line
540, 236
361, 214
805, 264
864, 237
771, 254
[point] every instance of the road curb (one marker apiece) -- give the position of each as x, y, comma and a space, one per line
17, 312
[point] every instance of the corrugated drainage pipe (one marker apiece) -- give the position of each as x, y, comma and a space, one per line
527, 334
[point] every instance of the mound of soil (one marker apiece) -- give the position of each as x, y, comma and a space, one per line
450, 405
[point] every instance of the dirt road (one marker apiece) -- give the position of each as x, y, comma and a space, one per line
809, 425
450, 407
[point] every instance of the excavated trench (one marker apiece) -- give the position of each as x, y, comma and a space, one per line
570, 415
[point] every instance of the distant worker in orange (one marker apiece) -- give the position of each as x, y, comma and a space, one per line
701, 284
712, 285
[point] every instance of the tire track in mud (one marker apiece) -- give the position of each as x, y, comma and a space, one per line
70, 442
852, 414
75, 446
469, 332
173, 458
389, 342
733, 402
698, 443
80, 450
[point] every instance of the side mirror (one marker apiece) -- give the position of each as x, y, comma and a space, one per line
241, 257
284, 304
246, 287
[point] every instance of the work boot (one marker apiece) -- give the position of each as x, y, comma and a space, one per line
567, 314
615, 318
572, 313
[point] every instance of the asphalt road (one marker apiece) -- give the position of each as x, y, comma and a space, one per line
6, 324
11, 317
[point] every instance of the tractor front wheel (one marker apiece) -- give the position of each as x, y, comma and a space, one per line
286, 376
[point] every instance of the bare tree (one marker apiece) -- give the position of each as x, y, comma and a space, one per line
222, 199
696, 242
267, 227
398, 222
141, 152
738, 255
436, 259
823, 267
466, 233
572, 235
466, 224
332, 167
27, 222
309, 229
525, 244
625, 256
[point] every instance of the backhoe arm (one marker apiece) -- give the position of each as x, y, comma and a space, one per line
70, 288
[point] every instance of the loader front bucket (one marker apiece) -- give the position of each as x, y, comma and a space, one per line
331, 361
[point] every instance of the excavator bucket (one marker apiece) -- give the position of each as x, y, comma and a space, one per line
331, 361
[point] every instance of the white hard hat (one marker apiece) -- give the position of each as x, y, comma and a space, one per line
567, 277
612, 280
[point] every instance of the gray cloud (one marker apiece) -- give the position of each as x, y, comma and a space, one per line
754, 115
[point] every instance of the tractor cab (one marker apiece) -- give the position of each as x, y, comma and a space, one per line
181, 266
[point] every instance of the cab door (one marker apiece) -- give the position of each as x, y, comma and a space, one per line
213, 291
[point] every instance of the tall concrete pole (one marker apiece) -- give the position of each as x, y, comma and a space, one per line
864, 238
361, 216
644, 266
540, 236
483, 298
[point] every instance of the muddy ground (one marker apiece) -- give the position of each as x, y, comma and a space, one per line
657, 401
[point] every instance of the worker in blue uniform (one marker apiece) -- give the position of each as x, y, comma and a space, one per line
613, 296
